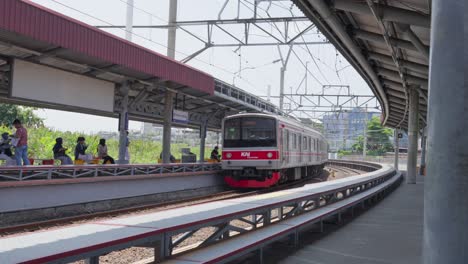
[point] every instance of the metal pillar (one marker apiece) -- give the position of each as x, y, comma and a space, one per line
284, 64
422, 164
364, 146
158, 251
123, 123
281, 99
129, 21
92, 260
397, 148
169, 99
202, 141
446, 183
167, 126
413, 121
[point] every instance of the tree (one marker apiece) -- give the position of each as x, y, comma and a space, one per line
317, 126
10, 112
358, 145
378, 138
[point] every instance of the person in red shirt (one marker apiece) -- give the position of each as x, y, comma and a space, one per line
21, 148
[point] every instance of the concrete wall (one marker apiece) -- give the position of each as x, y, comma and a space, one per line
54, 194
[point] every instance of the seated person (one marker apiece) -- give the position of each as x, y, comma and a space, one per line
215, 154
59, 152
102, 152
80, 150
5, 150
171, 158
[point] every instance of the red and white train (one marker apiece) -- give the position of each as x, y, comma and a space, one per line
261, 150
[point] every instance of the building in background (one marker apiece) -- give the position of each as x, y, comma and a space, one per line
187, 136
342, 129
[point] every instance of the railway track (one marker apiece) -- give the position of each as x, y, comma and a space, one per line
345, 170
231, 194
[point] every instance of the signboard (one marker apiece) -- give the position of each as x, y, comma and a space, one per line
45, 84
180, 116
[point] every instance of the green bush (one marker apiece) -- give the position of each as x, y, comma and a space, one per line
41, 140
342, 153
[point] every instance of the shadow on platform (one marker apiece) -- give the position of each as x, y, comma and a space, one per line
389, 232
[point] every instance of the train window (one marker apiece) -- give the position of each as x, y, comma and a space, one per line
294, 141
286, 137
310, 143
304, 143
250, 132
232, 129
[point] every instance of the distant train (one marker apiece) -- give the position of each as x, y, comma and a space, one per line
261, 150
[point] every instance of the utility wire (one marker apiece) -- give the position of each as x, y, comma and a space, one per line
300, 60
150, 40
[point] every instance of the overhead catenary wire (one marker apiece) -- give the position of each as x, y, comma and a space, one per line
150, 40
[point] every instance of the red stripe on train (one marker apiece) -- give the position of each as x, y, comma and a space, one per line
250, 155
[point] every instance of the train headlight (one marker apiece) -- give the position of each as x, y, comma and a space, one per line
270, 155
228, 155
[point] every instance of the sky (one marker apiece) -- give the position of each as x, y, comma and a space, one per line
250, 68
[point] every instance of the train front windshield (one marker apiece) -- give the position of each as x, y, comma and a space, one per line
243, 132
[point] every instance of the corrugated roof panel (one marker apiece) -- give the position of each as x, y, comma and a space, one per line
42, 24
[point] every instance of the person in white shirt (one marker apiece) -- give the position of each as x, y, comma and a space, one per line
102, 152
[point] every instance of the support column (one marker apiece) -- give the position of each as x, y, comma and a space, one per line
202, 141
397, 148
92, 260
281, 99
123, 123
364, 145
446, 183
158, 251
167, 126
413, 121
129, 21
422, 165
169, 98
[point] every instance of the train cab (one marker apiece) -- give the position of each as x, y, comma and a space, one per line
261, 150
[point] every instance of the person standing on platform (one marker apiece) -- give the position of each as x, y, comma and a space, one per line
59, 152
215, 154
127, 153
102, 152
21, 144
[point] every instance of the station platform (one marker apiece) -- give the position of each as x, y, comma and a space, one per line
388, 233
294, 210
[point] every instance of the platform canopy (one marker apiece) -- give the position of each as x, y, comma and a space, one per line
30, 33
387, 42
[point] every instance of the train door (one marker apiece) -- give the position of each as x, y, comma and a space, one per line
316, 150
294, 157
320, 151
299, 147
310, 149
305, 151
286, 146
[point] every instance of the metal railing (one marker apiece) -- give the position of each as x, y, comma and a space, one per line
277, 212
23, 173
263, 211
246, 98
